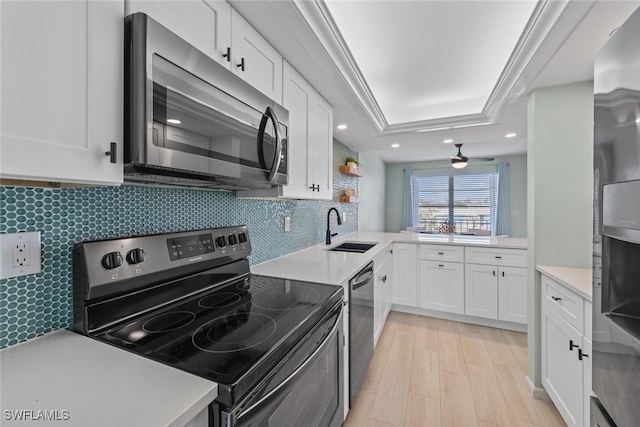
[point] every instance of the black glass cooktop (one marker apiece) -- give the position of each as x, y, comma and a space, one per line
232, 335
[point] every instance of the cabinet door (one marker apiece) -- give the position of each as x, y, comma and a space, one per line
320, 170
512, 294
62, 90
388, 288
405, 271
296, 94
377, 304
586, 373
262, 63
345, 348
206, 24
442, 286
481, 290
561, 369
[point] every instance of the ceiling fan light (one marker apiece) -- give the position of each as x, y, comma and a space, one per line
458, 165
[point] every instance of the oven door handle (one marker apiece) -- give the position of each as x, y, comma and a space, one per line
320, 348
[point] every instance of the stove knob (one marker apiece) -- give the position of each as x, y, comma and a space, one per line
232, 239
112, 260
242, 237
221, 241
135, 256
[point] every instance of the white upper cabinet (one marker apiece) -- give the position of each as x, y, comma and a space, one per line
62, 91
204, 24
253, 59
217, 30
309, 142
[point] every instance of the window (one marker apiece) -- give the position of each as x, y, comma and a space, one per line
455, 203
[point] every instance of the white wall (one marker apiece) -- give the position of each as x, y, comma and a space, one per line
560, 185
372, 188
517, 172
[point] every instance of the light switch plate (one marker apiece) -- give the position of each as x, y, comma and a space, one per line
287, 223
20, 254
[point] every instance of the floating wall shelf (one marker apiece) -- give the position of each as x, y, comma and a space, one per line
350, 170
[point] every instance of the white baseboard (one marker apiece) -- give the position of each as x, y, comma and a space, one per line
461, 318
537, 392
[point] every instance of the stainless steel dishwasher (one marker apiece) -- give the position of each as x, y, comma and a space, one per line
360, 328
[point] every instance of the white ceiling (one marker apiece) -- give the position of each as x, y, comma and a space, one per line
559, 48
430, 59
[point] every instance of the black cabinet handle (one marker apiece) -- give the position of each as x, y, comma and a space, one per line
228, 55
440, 265
581, 354
494, 272
498, 257
440, 253
241, 64
112, 153
315, 187
572, 345
391, 251
503, 274
556, 298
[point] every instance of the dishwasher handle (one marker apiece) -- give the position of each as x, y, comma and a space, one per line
363, 277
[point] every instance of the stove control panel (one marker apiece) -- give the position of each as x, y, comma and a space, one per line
190, 246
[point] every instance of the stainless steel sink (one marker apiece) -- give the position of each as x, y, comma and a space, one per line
353, 247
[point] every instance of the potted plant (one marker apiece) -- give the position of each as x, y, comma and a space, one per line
352, 162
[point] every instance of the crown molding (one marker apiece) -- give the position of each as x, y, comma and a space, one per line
526, 60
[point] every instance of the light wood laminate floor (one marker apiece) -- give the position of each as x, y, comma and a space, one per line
439, 373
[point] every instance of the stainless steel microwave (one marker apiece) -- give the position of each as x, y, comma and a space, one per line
189, 121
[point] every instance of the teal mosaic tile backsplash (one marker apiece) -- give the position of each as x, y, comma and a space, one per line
35, 304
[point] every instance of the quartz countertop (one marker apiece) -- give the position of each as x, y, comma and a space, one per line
98, 384
317, 264
578, 280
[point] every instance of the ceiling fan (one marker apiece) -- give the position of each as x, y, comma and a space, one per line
459, 161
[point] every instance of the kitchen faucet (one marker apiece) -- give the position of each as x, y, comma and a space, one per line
329, 235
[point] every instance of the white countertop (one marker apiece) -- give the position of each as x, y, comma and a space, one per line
578, 280
98, 384
316, 264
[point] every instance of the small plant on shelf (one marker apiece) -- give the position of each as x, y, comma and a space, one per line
352, 162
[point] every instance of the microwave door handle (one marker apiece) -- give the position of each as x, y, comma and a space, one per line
278, 155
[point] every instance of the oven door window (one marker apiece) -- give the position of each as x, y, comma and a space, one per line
310, 396
193, 117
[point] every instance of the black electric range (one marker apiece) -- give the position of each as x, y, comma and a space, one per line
189, 300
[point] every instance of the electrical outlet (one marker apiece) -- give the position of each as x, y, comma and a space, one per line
344, 217
287, 223
20, 253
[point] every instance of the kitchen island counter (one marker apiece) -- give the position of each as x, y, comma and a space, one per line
82, 382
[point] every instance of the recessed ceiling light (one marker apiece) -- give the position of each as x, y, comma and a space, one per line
174, 121
510, 135
342, 127
395, 145
448, 141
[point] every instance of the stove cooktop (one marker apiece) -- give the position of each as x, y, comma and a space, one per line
233, 334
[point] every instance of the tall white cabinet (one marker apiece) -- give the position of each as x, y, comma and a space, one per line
62, 90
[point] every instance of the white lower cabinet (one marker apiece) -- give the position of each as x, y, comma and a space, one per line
405, 274
442, 286
381, 278
566, 360
345, 364
496, 292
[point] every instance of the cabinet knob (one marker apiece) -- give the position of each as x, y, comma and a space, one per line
112, 153
572, 346
241, 64
228, 55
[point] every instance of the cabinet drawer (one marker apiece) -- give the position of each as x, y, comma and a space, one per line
597, 267
568, 304
442, 253
496, 256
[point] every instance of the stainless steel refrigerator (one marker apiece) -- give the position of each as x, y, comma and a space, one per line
616, 297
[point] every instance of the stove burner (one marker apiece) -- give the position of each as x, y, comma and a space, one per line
222, 299
168, 321
283, 299
234, 332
